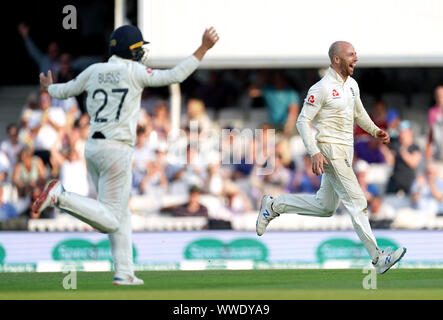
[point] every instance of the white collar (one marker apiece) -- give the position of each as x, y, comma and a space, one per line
334, 74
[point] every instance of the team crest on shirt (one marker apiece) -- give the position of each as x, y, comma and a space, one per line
352, 91
149, 70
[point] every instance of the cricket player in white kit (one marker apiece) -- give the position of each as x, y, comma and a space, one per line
333, 106
114, 94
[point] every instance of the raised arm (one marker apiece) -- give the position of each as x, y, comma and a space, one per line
65, 90
33, 50
157, 78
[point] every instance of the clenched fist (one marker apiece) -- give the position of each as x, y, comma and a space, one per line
210, 38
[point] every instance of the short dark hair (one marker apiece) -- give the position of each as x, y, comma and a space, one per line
10, 126
194, 189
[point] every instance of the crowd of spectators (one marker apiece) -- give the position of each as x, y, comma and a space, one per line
220, 175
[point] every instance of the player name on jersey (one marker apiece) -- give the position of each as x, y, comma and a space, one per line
109, 77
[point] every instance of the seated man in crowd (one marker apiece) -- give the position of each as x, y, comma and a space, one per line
28, 171
193, 208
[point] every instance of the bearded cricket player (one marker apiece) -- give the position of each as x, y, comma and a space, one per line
333, 106
114, 91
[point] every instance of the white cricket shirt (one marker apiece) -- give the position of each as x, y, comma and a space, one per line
333, 105
114, 92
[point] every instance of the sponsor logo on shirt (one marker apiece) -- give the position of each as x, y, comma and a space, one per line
311, 99
335, 94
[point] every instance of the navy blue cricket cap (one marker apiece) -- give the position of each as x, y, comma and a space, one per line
124, 39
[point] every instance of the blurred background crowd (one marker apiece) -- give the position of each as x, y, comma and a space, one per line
47, 141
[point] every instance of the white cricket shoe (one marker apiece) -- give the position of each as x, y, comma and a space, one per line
48, 197
387, 259
128, 281
265, 214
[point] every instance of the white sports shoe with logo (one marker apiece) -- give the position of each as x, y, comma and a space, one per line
265, 214
48, 197
387, 259
128, 281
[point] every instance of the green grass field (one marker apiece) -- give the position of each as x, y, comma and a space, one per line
229, 285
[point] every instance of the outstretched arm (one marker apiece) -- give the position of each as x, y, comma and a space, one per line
65, 90
156, 78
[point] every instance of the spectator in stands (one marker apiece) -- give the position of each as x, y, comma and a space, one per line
11, 146
372, 151
193, 208
378, 115
407, 157
427, 192
243, 168
80, 134
7, 210
196, 111
150, 97
216, 92
392, 122
434, 146
161, 120
279, 178
305, 181
282, 101
73, 174
5, 166
45, 61
381, 214
237, 201
214, 182
66, 72
28, 171
25, 135
46, 125
361, 169
192, 173
143, 154
154, 182
10, 193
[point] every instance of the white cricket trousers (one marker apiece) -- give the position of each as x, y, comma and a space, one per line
109, 164
339, 183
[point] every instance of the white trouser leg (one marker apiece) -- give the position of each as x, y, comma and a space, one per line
105, 170
121, 247
339, 183
88, 210
121, 240
323, 204
114, 187
109, 164
353, 198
